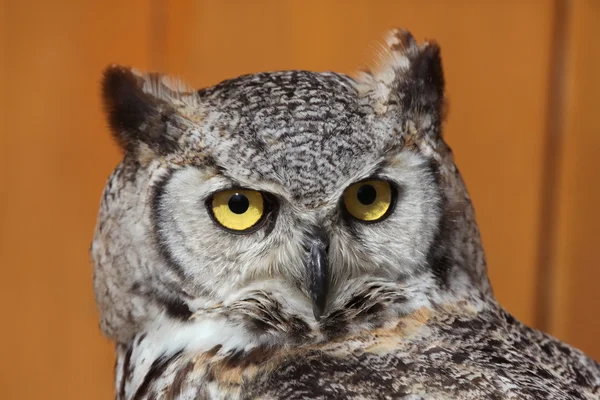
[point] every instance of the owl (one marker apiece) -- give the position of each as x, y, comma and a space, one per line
303, 235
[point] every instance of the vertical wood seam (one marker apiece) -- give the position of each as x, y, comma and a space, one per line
157, 37
551, 163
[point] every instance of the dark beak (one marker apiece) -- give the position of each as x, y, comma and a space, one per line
318, 272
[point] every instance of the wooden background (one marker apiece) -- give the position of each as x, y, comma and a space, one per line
522, 82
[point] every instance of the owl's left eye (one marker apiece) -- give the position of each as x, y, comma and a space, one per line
369, 201
237, 210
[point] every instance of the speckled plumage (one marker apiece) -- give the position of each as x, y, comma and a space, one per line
198, 312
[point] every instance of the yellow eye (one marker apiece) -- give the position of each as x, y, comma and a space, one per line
238, 209
369, 200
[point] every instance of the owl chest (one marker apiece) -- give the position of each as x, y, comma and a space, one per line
186, 377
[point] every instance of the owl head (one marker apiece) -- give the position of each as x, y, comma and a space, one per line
305, 195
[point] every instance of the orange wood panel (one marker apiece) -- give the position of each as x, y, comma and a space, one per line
496, 56
208, 41
575, 311
56, 155
3, 100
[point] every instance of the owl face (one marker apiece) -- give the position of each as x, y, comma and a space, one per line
291, 182
265, 197
221, 231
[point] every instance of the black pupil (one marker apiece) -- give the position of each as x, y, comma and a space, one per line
366, 194
238, 203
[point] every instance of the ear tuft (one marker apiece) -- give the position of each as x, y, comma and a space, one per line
144, 108
427, 78
409, 78
399, 40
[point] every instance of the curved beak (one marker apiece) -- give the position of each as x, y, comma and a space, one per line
317, 269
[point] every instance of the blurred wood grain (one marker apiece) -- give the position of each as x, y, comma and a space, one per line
56, 152
56, 155
574, 313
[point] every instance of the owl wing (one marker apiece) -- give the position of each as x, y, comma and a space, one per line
487, 356
425, 355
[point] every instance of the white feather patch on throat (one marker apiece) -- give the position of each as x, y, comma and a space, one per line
209, 328
166, 337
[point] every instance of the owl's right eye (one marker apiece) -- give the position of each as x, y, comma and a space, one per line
237, 210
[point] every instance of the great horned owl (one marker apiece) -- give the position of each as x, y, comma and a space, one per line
301, 235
